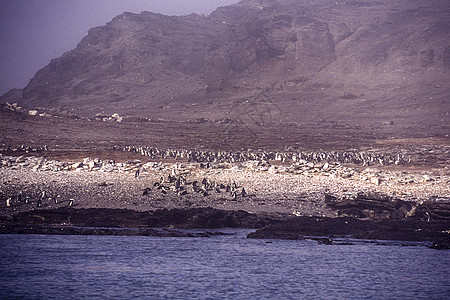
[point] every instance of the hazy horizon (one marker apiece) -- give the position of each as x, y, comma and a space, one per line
34, 32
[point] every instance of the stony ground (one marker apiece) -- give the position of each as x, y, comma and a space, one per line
270, 187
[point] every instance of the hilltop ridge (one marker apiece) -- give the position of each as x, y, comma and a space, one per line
359, 64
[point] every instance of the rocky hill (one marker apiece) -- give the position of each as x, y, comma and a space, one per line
364, 64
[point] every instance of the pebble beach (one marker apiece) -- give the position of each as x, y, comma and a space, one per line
270, 187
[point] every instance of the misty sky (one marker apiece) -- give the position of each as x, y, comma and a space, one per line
32, 32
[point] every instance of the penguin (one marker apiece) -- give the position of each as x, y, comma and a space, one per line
39, 203
243, 193
233, 185
8, 202
182, 193
171, 179
428, 216
146, 191
195, 188
70, 202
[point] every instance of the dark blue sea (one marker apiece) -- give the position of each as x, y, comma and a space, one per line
218, 267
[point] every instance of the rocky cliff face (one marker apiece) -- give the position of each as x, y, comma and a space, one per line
261, 61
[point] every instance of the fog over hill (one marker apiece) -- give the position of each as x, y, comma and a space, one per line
355, 64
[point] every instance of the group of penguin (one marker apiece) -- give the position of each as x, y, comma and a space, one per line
180, 187
43, 199
364, 158
28, 149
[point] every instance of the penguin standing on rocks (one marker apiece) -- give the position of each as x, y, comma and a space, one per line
163, 190
70, 202
195, 187
40, 200
427, 214
171, 179
181, 192
8, 202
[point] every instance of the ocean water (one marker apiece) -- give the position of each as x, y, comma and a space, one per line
219, 267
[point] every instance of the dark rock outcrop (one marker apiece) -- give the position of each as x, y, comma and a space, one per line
380, 207
203, 218
373, 206
437, 209
405, 230
170, 222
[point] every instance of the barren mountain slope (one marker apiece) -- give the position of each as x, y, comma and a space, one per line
365, 65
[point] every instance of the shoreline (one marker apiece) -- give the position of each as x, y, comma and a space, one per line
207, 222
265, 190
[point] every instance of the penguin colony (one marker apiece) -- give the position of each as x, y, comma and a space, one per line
364, 158
180, 187
27, 149
355, 157
40, 201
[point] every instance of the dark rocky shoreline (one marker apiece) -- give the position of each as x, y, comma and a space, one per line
399, 230
171, 223
67, 221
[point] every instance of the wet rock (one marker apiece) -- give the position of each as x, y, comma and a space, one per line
323, 241
406, 230
206, 218
440, 246
373, 206
435, 209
